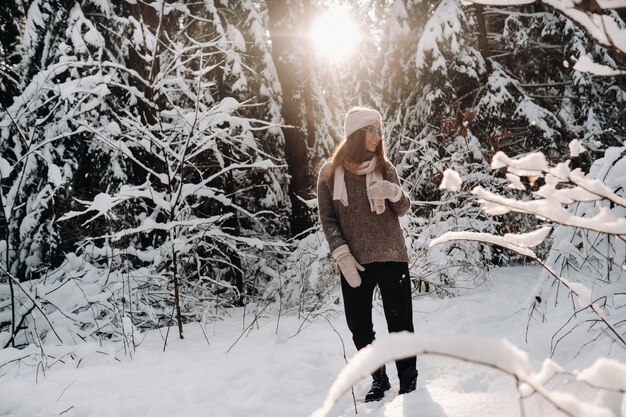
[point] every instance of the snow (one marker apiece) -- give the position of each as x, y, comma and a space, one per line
451, 181
276, 370
397, 26
500, 354
586, 64
605, 372
269, 372
604, 28
519, 243
576, 148
601, 27
5, 168
604, 221
533, 164
514, 182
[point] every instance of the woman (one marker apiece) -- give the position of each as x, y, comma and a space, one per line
360, 200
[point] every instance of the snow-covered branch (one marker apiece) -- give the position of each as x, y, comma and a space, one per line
521, 243
498, 354
591, 17
588, 15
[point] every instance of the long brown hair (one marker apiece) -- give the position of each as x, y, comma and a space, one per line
352, 151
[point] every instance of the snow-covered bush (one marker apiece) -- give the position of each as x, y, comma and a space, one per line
593, 211
132, 184
307, 279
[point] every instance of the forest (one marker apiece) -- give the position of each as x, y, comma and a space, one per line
159, 158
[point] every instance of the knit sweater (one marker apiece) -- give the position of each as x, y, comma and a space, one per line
371, 237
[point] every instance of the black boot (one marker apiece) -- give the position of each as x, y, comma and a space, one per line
379, 385
408, 381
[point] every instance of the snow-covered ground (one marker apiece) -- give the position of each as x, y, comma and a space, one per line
275, 370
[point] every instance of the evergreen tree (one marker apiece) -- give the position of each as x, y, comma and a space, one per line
476, 81
41, 143
10, 51
532, 89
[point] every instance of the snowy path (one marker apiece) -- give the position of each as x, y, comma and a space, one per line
269, 374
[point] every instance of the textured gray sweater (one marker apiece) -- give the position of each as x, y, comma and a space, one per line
371, 237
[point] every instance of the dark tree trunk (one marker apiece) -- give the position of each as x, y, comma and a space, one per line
483, 45
289, 52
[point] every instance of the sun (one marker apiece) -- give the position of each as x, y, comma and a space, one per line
335, 34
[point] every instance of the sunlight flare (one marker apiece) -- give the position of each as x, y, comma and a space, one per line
335, 34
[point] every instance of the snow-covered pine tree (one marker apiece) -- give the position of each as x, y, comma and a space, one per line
358, 77
259, 88
533, 99
486, 79
400, 33
40, 150
431, 87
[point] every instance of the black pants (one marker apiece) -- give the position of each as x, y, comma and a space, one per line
395, 289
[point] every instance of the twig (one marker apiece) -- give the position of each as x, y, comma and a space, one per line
168, 328
15, 360
312, 310
280, 300
256, 317
345, 358
65, 411
204, 333
17, 328
65, 389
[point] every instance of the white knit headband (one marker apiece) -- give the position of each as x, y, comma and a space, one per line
360, 118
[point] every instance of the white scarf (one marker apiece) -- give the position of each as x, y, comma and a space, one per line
371, 176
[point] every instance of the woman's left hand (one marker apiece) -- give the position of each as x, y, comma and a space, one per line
385, 189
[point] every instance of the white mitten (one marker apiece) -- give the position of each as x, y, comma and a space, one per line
348, 265
385, 189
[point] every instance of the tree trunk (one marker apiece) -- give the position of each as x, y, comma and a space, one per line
179, 316
286, 19
483, 45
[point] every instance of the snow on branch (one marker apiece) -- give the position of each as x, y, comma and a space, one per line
554, 196
604, 221
562, 188
451, 181
600, 26
498, 354
520, 243
605, 373
585, 64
